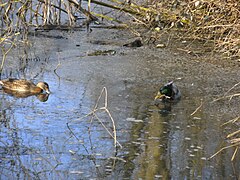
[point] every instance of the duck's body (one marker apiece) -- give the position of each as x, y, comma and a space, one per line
24, 86
169, 92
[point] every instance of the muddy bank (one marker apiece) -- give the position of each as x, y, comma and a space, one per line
158, 142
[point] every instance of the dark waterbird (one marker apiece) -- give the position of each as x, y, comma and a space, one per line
169, 92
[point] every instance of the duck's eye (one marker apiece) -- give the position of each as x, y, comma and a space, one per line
46, 84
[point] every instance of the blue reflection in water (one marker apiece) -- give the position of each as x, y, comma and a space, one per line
43, 142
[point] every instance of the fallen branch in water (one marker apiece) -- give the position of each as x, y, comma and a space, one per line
93, 115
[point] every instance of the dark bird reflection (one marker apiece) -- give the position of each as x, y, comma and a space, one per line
164, 107
43, 97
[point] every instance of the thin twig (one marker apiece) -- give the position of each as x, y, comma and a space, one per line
103, 109
231, 121
77, 138
107, 130
233, 145
234, 154
234, 133
229, 96
196, 110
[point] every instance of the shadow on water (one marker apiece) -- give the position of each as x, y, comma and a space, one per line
163, 142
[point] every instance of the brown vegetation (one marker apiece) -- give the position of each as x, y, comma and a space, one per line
234, 137
215, 21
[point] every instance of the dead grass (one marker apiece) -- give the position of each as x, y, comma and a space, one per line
215, 21
233, 137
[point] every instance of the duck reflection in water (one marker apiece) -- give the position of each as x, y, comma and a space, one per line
22, 88
166, 96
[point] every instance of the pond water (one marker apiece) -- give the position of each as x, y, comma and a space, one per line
59, 139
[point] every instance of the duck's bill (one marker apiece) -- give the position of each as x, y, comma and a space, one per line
159, 96
48, 92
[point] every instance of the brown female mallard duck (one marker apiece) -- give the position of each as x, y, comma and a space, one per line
23, 86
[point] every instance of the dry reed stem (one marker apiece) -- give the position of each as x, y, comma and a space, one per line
5, 55
234, 133
236, 140
118, 158
235, 85
229, 96
124, 9
84, 11
197, 109
231, 121
108, 18
233, 145
105, 108
96, 109
234, 154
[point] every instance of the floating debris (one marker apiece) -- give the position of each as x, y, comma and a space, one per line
135, 43
134, 120
102, 53
160, 46
76, 172
197, 118
154, 138
72, 152
158, 176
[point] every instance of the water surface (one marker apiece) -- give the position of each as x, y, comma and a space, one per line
52, 140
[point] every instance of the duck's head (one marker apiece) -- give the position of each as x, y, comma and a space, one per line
168, 91
44, 86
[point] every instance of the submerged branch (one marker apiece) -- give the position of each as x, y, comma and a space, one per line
93, 115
